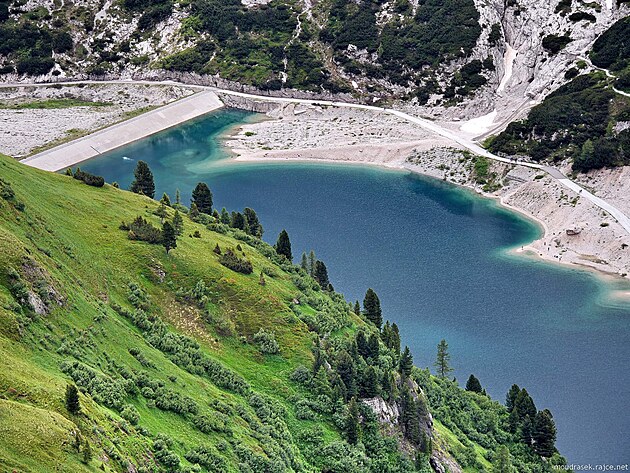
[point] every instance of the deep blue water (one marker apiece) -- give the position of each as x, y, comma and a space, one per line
436, 255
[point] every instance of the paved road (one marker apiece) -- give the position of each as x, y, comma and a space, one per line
115, 136
623, 219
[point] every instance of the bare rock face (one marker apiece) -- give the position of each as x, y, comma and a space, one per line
385, 413
525, 71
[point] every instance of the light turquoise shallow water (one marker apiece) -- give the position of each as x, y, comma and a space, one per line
436, 255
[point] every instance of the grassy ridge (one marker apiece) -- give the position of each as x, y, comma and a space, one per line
162, 348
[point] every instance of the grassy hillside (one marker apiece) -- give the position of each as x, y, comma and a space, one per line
173, 372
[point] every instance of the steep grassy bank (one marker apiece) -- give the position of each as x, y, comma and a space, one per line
174, 371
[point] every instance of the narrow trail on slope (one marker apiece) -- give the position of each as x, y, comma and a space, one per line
621, 218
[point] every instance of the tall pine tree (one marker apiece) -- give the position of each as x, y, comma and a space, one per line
321, 275
352, 422
406, 363
544, 434
443, 360
473, 384
283, 245
252, 224
169, 238
202, 197
72, 399
372, 308
143, 182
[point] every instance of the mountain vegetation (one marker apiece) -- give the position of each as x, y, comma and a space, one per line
119, 355
585, 120
270, 45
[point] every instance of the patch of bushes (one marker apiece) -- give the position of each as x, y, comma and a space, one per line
140, 229
89, 179
230, 260
555, 43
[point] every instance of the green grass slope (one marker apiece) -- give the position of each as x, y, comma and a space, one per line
163, 350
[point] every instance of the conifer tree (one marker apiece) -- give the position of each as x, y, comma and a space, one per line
72, 399
283, 245
362, 344
217, 249
166, 200
443, 360
178, 223
321, 275
252, 224
193, 213
370, 382
202, 197
544, 434
473, 384
406, 363
178, 197
357, 308
169, 238
373, 346
225, 217
143, 182
347, 371
237, 221
321, 383
372, 308
304, 262
510, 398
395, 339
161, 212
352, 422
311, 263
502, 462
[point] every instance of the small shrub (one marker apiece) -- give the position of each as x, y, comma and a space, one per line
267, 343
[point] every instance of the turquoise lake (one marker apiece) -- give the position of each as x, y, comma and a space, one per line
437, 257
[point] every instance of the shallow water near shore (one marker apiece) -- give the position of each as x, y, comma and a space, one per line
438, 256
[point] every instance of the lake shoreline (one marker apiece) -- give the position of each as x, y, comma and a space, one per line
395, 157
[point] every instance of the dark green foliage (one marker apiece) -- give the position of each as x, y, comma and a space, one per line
165, 200
391, 337
544, 434
554, 43
62, 42
252, 224
237, 221
473, 384
230, 260
442, 362
89, 179
582, 15
152, 12
511, 396
321, 275
141, 229
566, 120
372, 308
178, 223
612, 49
352, 422
72, 399
495, 33
169, 238
406, 362
28, 46
283, 245
143, 182
357, 308
202, 197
